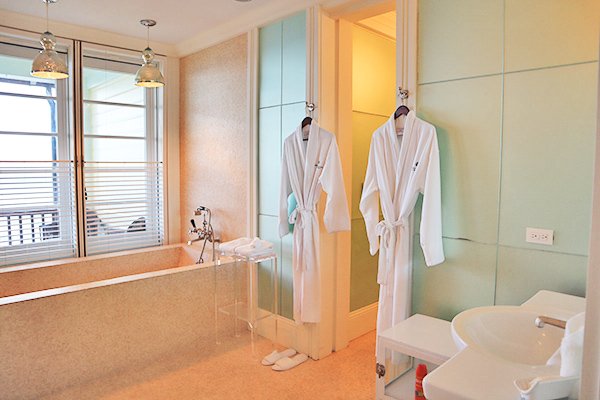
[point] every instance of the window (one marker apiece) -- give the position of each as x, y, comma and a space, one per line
37, 214
115, 179
122, 168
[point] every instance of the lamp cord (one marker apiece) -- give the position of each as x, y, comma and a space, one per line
47, 25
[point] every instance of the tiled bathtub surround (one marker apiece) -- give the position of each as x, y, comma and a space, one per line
74, 334
73, 271
215, 137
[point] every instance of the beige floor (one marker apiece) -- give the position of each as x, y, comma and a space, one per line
232, 372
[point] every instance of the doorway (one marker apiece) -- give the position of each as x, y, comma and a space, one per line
366, 99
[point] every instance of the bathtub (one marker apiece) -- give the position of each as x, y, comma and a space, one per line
69, 322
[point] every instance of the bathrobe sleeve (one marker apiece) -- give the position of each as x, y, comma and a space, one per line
369, 200
336, 217
431, 214
285, 191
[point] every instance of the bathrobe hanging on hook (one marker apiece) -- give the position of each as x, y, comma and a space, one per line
307, 167
399, 168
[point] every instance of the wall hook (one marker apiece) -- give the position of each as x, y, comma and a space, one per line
402, 93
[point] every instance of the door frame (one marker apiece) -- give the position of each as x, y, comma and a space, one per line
351, 324
590, 376
316, 340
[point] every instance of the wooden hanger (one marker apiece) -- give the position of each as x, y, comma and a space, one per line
306, 121
402, 110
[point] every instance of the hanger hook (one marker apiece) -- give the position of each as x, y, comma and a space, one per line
403, 94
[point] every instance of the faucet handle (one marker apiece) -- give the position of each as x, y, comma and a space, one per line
193, 223
543, 320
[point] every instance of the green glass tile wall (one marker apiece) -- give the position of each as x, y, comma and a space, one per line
511, 87
282, 95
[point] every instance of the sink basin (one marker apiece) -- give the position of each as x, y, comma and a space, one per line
506, 332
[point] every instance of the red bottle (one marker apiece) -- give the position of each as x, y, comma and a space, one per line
420, 374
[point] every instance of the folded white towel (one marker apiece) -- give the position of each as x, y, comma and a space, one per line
571, 350
255, 248
571, 347
231, 246
257, 253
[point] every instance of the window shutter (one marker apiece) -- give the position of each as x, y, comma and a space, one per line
124, 205
37, 212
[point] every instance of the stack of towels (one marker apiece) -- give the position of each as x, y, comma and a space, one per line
571, 350
247, 247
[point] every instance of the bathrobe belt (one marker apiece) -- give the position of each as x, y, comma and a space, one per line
304, 214
387, 232
302, 218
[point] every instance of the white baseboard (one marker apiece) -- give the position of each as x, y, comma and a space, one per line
285, 332
362, 321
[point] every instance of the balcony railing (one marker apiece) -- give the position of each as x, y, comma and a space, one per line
28, 226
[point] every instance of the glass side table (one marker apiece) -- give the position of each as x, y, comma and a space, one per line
237, 294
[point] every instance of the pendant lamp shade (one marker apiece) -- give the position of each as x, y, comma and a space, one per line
48, 64
149, 75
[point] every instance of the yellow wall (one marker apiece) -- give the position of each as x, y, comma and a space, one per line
373, 72
373, 100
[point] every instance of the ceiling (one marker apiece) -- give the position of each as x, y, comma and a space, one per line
177, 20
382, 23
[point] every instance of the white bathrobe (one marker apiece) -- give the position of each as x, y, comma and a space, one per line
399, 168
308, 167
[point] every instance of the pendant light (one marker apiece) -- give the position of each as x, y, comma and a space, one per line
149, 75
48, 64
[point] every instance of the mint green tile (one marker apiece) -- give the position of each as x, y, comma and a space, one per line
459, 38
294, 58
465, 280
269, 65
542, 33
269, 160
291, 117
467, 117
267, 230
363, 126
548, 153
364, 289
286, 288
523, 272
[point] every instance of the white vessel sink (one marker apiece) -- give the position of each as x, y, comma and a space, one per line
506, 332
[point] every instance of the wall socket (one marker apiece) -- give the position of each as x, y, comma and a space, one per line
539, 236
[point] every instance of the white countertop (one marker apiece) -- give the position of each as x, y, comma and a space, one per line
473, 375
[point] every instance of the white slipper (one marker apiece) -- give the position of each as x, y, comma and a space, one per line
289, 362
275, 356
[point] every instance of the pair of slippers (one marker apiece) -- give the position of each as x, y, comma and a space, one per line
284, 360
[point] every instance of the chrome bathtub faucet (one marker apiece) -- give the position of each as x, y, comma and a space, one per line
205, 232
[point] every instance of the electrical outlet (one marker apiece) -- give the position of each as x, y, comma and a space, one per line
539, 236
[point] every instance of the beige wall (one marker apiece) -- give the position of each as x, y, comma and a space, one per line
215, 137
